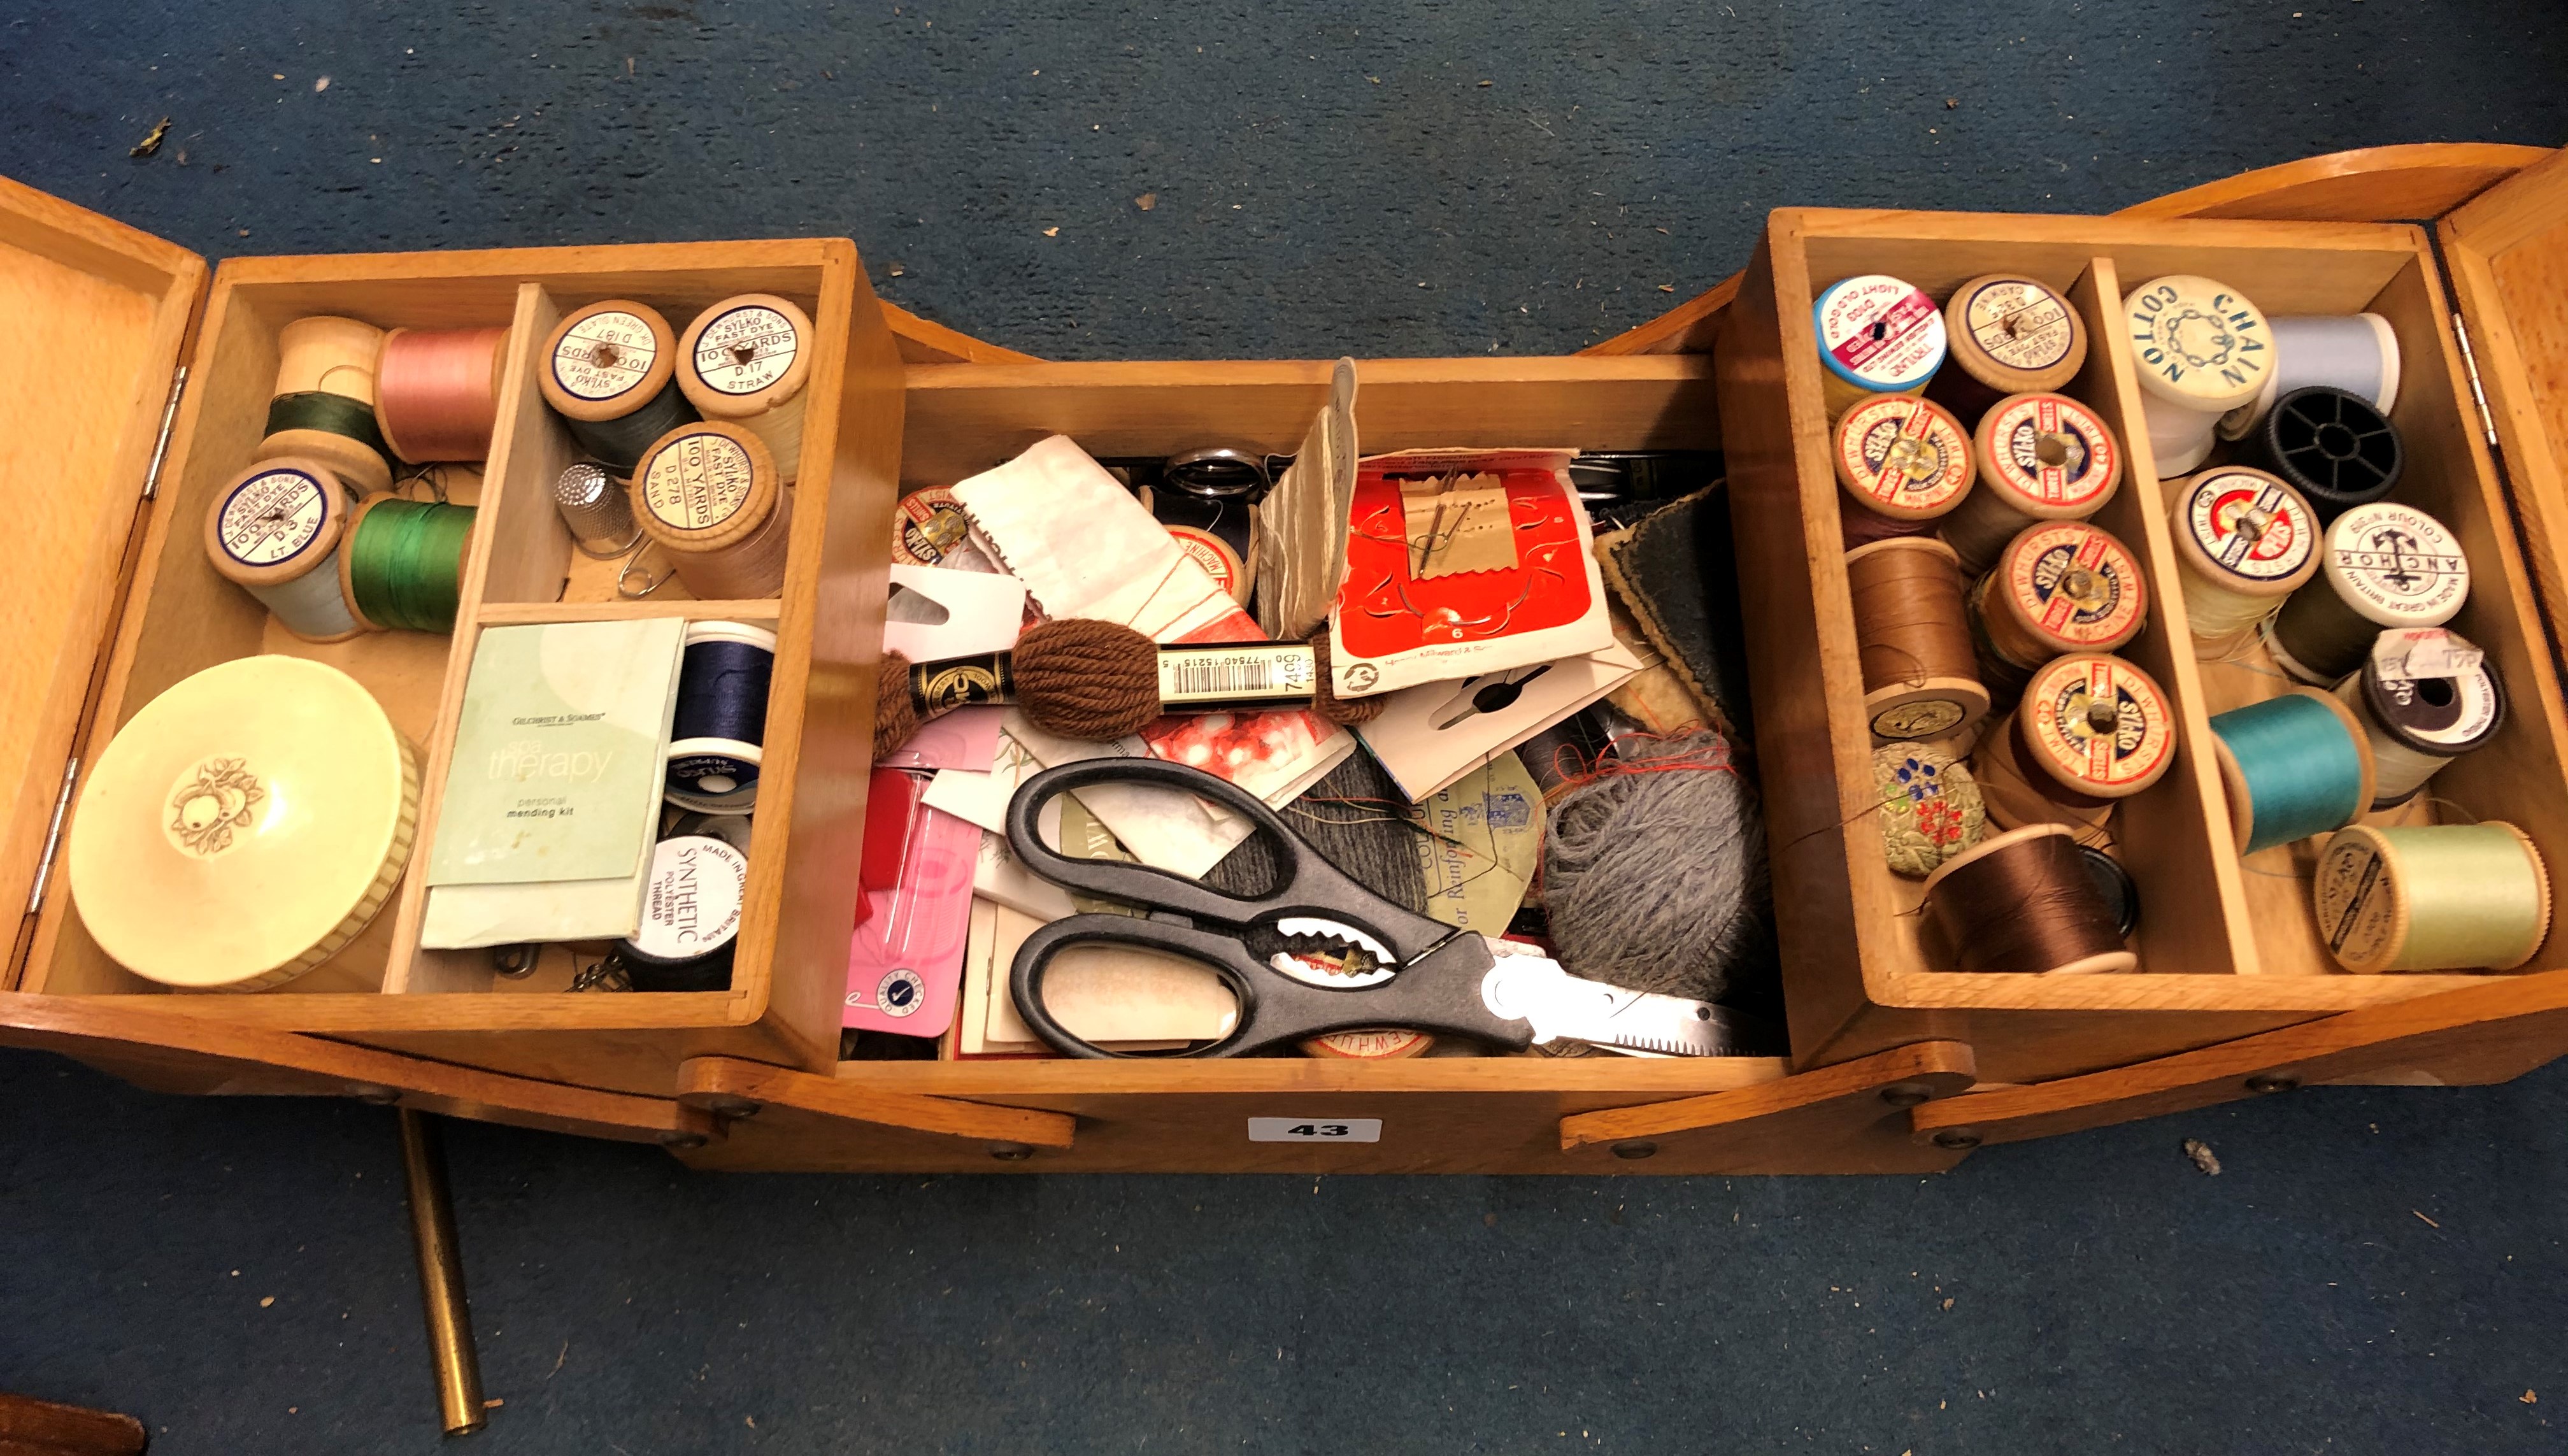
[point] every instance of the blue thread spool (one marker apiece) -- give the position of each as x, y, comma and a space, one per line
716, 737
2294, 766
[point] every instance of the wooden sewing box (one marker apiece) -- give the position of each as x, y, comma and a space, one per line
122, 441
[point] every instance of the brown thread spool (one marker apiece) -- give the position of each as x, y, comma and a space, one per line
2042, 456
2091, 731
437, 392
746, 360
1920, 676
1903, 463
708, 494
2006, 335
2023, 904
2057, 589
328, 355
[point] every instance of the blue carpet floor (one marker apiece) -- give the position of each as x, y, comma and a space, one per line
2373, 1271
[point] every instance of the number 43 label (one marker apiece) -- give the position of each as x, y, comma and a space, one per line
1314, 1130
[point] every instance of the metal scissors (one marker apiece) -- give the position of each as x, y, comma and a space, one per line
1401, 968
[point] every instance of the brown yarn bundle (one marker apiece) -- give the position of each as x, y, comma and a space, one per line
1080, 679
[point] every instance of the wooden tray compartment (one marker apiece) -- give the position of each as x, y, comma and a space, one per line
2219, 959
783, 1004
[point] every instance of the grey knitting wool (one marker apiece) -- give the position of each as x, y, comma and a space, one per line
1654, 874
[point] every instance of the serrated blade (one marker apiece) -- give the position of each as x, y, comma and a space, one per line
1644, 1022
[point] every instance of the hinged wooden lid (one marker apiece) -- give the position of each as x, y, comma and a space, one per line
101, 315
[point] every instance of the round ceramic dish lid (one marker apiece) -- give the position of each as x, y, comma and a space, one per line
244, 826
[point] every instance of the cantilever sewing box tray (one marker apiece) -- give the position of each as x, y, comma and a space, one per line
122, 441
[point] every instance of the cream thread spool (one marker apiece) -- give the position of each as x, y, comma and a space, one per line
708, 494
1877, 335
2004, 335
328, 355
610, 372
746, 360
279, 531
2042, 456
2093, 730
2200, 350
1903, 462
2417, 725
2384, 566
2357, 353
2244, 541
2461, 896
2057, 589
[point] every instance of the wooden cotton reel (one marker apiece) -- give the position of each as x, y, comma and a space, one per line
2293, 766
2091, 731
438, 392
610, 371
2006, 335
1877, 335
244, 826
2042, 456
2385, 566
2057, 587
2200, 350
323, 405
708, 494
2025, 902
2459, 896
746, 360
279, 531
2244, 541
1920, 678
1904, 463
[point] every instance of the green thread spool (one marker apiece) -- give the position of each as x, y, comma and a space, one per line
405, 564
333, 414
2294, 766
2447, 896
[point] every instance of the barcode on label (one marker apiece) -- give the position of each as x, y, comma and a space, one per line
1315, 1130
1196, 676
1282, 672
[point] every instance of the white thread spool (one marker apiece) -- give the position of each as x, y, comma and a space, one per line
2200, 350
2244, 541
1877, 335
2042, 456
745, 360
2357, 353
2417, 725
277, 530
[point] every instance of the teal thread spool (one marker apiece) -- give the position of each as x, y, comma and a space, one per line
2443, 896
2294, 766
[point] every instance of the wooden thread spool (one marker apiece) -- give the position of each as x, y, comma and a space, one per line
403, 566
610, 372
2042, 456
708, 494
2244, 541
2200, 350
279, 531
2025, 902
1919, 676
2091, 731
2005, 335
437, 392
2292, 767
745, 360
323, 405
1876, 335
2057, 589
2417, 725
1904, 462
2384, 566
2447, 897
2357, 353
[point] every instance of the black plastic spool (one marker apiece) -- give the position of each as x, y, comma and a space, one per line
2121, 896
2333, 447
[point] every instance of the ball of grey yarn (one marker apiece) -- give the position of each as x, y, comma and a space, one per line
1652, 880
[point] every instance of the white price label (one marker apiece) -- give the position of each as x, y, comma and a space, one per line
1315, 1130
2422, 652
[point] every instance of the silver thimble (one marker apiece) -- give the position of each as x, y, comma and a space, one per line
597, 510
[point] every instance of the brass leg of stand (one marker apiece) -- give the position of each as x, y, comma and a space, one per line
441, 1275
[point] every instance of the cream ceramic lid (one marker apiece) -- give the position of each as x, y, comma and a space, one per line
244, 826
2197, 342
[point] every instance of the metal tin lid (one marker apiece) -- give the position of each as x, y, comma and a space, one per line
1878, 333
2073, 587
2197, 342
2396, 565
2247, 531
691, 901
1903, 457
2443, 716
2048, 455
2097, 725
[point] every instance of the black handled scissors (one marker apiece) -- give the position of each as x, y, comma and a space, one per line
1401, 968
